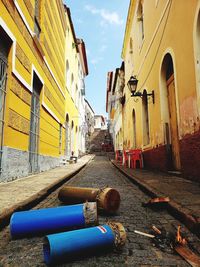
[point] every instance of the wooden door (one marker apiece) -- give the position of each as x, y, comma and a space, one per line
67, 140
173, 123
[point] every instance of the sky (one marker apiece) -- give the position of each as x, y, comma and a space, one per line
101, 24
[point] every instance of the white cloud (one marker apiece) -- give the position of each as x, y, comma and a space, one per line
106, 15
103, 48
79, 21
92, 10
111, 17
96, 60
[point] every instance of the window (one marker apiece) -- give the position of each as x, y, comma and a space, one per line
67, 75
140, 19
37, 28
131, 46
76, 95
72, 85
156, 2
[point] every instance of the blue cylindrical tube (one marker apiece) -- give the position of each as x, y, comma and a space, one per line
69, 245
51, 220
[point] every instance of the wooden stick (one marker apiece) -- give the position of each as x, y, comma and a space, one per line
188, 255
156, 229
145, 234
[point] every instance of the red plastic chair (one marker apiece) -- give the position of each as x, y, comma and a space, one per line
136, 156
125, 157
118, 156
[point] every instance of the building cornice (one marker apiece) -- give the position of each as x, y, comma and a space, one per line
67, 10
129, 22
83, 56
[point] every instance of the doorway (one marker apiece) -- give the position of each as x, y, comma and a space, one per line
72, 138
173, 123
34, 126
169, 87
67, 138
5, 45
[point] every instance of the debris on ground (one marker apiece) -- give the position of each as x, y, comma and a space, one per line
158, 201
50, 220
67, 246
170, 242
188, 255
144, 234
108, 199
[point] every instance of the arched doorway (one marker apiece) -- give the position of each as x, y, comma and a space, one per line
171, 126
72, 137
67, 137
35, 125
198, 54
5, 45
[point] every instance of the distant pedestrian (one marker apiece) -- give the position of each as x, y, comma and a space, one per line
72, 157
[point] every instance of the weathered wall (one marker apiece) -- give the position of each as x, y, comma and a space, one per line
43, 56
145, 59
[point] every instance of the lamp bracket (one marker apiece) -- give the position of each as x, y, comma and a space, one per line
139, 94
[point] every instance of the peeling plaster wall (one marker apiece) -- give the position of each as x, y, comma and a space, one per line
190, 155
147, 62
189, 123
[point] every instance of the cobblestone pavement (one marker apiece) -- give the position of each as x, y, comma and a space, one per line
138, 250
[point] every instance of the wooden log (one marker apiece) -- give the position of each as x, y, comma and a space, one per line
108, 199
188, 255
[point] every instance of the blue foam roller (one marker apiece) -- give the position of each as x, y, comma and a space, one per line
51, 220
69, 245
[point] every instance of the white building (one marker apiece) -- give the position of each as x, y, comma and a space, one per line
100, 122
82, 73
114, 103
89, 119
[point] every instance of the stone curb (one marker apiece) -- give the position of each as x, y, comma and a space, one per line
174, 208
36, 198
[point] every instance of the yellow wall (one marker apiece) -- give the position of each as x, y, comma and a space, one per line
24, 59
71, 109
169, 30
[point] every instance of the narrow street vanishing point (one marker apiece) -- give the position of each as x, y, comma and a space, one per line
138, 250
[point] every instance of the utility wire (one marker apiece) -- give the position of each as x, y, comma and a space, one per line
157, 48
170, 4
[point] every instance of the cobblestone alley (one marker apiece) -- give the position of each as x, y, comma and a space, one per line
138, 250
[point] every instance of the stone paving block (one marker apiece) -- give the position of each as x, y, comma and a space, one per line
138, 250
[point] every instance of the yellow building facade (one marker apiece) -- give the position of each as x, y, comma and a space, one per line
161, 51
71, 108
114, 107
34, 95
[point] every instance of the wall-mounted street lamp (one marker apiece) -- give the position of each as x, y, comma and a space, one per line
132, 85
